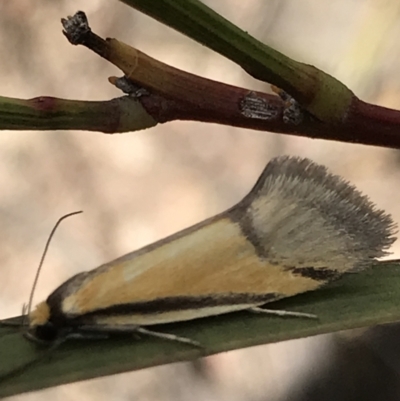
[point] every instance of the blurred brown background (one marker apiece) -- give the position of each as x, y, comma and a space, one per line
136, 188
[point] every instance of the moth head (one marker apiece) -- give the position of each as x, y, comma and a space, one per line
41, 329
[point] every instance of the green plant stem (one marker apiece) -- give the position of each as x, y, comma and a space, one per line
49, 113
321, 94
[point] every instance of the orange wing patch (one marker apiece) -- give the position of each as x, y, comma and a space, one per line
215, 259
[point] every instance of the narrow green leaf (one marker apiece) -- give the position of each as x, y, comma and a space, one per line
357, 300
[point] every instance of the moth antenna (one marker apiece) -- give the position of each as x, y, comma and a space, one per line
29, 308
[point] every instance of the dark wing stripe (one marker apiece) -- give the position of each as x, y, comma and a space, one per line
181, 303
320, 274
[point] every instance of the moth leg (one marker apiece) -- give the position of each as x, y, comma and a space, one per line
282, 313
103, 331
128, 328
169, 337
87, 336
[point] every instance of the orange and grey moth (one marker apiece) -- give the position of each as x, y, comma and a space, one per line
299, 228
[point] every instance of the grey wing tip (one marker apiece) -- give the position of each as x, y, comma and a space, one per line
303, 186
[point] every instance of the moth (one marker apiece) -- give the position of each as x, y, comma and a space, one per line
299, 228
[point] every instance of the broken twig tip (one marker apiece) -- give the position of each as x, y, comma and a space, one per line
76, 28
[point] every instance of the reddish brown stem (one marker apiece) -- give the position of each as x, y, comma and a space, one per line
174, 94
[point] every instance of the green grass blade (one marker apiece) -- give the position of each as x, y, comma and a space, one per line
358, 300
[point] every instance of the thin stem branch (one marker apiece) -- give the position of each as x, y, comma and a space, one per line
173, 94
